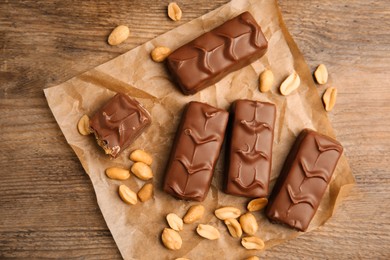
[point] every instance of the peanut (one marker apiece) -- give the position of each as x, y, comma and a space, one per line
321, 74
227, 212
175, 222
266, 80
208, 232
174, 11
290, 84
252, 243
252, 258
118, 35
329, 98
159, 54
248, 223
142, 171
193, 214
83, 125
257, 204
146, 192
127, 195
234, 227
141, 156
117, 173
171, 239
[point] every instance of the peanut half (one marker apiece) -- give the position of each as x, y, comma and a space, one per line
329, 98
266, 80
83, 125
252, 258
142, 171
171, 239
146, 192
290, 84
208, 232
159, 54
227, 212
118, 35
175, 222
117, 173
248, 223
193, 214
127, 195
252, 243
174, 11
141, 156
257, 204
234, 227
321, 74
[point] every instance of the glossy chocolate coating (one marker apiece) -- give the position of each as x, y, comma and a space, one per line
195, 151
249, 155
118, 123
305, 176
210, 57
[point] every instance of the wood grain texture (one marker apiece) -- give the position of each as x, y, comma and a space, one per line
47, 205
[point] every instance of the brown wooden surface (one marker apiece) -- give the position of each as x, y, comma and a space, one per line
47, 203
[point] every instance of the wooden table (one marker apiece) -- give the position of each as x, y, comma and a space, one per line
47, 203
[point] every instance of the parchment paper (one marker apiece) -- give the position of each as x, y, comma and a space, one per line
137, 229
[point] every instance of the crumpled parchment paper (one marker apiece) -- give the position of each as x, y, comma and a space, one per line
137, 229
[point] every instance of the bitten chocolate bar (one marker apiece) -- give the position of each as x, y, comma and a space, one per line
195, 151
210, 57
249, 154
118, 123
304, 178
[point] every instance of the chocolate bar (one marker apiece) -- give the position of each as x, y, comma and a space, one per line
303, 180
210, 57
195, 151
249, 154
118, 123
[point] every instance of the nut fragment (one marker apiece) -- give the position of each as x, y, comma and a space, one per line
118, 35
234, 227
257, 204
227, 212
266, 80
248, 223
141, 156
329, 98
252, 243
321, 74
171, 239
193, 214
142, 171
208, 232
127, 195
83, 125
252, 258
146, 192
175, 222
290, 84
182, 258
117, 173
160, 53
174, 11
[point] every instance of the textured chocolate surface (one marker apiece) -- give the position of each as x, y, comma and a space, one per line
195, 151
118, 123
207, 59
249, 154
304, 178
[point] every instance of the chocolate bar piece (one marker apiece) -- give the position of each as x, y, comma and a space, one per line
304, 178
118, 123
195, 151
249, 154
210, 57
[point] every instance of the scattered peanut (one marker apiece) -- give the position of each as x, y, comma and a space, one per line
329, 98
117, 173
234, 227
248, 223
146, 192
83, 125
127, 195
321, 74
252, 243
159, 54
252, 258
257, 204
171, 239
174, 11
208, 232
266, 80
141, 156
181, 258
175, 222
118, 35
227, 212
142, 171
193, 214
290, 84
